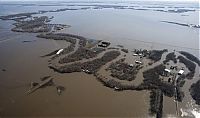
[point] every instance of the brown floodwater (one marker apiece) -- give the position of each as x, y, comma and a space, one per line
84, 95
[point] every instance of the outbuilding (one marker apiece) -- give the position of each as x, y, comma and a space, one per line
59, 51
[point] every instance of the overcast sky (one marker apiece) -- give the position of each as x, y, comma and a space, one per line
103, 0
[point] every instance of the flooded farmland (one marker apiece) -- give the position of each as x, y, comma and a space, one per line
94, 89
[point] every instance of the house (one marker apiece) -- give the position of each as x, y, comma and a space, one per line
104, 44
140, 54
116, 88
166, 72
138, 62
180, 72
131, 65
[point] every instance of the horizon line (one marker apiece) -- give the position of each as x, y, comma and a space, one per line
102, 0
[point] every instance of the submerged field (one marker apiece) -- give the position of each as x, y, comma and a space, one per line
113, 67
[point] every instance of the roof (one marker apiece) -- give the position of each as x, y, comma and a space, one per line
138, 62
131, 65
59, 51
167, 70
181, 72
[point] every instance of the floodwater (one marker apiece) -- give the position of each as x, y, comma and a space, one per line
84, 95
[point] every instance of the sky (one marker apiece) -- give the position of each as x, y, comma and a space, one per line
104, 0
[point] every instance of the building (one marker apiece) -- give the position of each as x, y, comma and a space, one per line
59, 51
167, 72
140, 54
138, 62
180, 72
131, 65
104, 44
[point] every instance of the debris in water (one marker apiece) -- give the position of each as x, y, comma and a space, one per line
46, 82
60, 89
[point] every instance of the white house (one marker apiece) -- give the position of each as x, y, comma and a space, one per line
180, 72
167, 70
